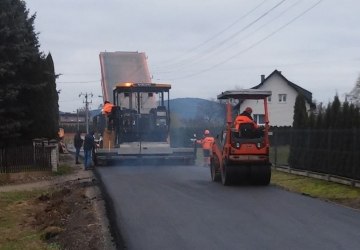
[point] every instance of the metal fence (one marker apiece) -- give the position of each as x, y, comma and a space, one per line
331, 151
25, 158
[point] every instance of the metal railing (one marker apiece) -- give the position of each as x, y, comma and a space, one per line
36, 157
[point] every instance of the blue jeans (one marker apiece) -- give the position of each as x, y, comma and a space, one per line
87, 158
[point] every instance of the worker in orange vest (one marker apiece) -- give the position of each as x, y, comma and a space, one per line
107, 112
245, 117
207, 143
107, 108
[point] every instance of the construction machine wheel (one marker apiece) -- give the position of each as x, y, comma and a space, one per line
260, 175
214, 169
226, 174
241, 174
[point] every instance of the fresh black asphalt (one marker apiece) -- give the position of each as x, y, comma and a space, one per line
178, 207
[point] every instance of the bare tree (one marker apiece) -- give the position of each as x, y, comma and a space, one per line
354, 95
211, 112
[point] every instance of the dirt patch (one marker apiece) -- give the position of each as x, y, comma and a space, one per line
70, 212
352, 203
67, 217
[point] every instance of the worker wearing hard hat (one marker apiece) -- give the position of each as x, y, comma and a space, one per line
245, 117
207, 143
107, 108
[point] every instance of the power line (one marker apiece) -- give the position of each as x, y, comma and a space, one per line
254, 44
246, 27
211, 54
228, 27
224, 41
216, 35
87, 96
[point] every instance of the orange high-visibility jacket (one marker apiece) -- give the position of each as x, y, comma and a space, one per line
243, 119
207, 142
107, 108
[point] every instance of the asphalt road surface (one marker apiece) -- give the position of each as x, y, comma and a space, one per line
178, 207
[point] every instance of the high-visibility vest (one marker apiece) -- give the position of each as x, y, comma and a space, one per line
207, 142
243, 119
107, 108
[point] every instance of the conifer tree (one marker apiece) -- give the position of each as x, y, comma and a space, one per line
327, 122
335, 113
319, 120
355, 114
52, 98
312, 120
301, 121
300, 114
346, 116
22, 75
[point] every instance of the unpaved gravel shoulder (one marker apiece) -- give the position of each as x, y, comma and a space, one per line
71, 210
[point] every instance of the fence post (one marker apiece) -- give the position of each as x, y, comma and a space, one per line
328, 156
275, 148
291, 151
308, 150
4, 161
36, 142
354, 163
54, 156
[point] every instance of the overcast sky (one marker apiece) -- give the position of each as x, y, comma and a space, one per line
203, 47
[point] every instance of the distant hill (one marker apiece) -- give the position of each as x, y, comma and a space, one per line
186, 108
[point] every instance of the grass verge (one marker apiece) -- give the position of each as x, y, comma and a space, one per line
15, 216
346, 195
64, 169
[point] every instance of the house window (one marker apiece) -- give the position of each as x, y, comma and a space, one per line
269, 98
282, 97
259, 119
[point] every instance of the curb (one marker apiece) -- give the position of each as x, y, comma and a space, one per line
320, 176
115, 229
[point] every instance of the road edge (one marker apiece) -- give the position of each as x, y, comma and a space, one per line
115, 229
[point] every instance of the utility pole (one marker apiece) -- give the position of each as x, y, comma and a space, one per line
87, 102
77, 116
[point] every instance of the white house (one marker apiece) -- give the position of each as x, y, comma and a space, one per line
282, 101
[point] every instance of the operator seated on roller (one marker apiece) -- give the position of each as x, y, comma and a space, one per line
107, 112
245, 117
206, 143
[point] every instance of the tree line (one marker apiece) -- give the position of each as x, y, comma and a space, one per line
210, 117
328, 140
28, 96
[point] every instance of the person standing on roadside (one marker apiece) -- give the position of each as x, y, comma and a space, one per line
206, 143
89, 144
78, 143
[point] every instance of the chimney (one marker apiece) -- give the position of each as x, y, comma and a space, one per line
262, 78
